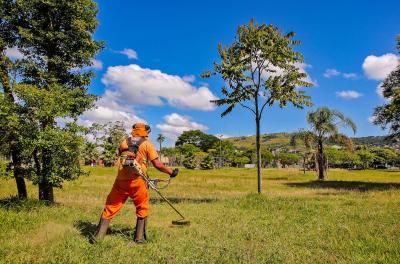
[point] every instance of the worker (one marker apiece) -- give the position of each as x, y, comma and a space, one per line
128, 184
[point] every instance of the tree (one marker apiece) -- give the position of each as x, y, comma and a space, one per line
325, 124
114, 133
287, 159
207, 163
56, 39
366, 158
160, 140
388, 115
189, 161
260, 67
198, 139
12, 127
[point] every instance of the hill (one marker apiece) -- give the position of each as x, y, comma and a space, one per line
282, 140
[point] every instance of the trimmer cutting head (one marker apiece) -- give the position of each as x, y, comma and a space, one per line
181, 222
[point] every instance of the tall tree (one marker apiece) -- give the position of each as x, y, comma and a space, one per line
56, 39
197, 138
12, 127
160, 140
260, 67
325, 124
388, 115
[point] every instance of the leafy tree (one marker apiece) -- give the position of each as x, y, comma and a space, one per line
388, 115
383, 157
287, 159
366, 158
325, 124
198, 139
190, 162
241, 160
114, 133
12, 127
207, 163
259, 67
56, 39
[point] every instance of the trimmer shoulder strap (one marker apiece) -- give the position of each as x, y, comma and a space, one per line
134, 143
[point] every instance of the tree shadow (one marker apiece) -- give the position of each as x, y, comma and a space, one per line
347, 185
88, 229
175, 200
278, 178
15, 203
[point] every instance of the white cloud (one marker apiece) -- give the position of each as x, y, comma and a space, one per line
350, 75
379, 67
379, 90
371, 119
175, 124
189, 78
349, 94
109, 109
14, 53
142, 86
96, 64
331, 72
279, 71
130, 53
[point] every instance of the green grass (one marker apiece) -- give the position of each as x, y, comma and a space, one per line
352, 218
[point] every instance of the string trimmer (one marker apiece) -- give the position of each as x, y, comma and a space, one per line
153, 185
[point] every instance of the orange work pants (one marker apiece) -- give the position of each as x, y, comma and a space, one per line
136, 189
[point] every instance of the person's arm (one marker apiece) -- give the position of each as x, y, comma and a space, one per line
161, 167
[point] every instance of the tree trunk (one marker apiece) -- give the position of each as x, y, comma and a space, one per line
18, 175
304, 164
321, 162
46, 192
258, 153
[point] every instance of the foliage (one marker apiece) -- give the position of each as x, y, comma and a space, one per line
190, 161
325, 124
207, 163
241, 160
259, 68
388, 115
56, 39
383, 157
287, 159
198, 139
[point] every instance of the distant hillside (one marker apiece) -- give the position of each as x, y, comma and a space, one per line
282, 140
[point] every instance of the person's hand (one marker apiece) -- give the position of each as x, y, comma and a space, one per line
174, 173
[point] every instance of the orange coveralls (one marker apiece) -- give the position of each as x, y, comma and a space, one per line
128, 184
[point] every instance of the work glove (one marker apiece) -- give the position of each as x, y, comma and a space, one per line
174, 173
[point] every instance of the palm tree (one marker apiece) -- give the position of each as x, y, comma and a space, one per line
325, 124
160, 139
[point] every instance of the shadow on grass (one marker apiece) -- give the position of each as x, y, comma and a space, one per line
278, 178
157, 200
346, 185
88, 229
17, 204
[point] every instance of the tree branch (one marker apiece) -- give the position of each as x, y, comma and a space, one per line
245, 106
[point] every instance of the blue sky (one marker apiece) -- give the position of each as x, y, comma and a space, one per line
170, 43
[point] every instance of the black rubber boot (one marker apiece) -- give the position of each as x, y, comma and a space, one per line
140, 235
101, 229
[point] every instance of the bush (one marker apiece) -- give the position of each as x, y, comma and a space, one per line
189, 162
207, 163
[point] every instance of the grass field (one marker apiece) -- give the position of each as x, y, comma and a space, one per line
352, 218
